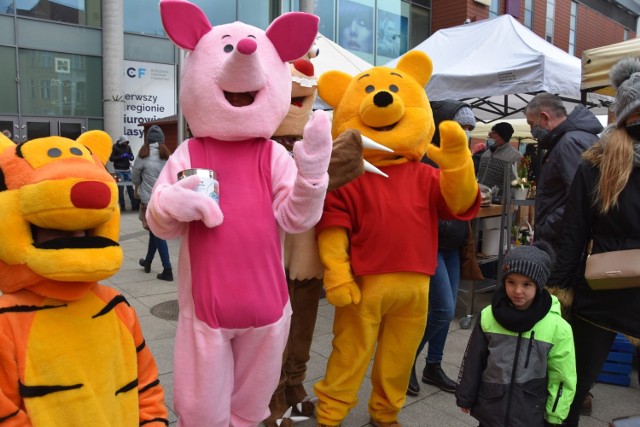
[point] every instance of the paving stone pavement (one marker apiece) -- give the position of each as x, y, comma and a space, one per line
432, 407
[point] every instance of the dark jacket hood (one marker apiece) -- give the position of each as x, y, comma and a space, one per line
580, 118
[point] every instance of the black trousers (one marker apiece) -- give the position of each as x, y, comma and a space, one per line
592, 345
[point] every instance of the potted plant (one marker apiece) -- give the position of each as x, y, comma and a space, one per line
521, 185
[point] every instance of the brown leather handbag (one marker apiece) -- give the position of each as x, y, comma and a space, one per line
469, 268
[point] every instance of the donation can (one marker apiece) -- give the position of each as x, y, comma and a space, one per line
208, 182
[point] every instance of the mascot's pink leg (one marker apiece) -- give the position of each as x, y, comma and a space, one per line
226, 377
258, 361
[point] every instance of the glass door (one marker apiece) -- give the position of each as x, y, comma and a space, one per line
40, 127
9, 127
33, 128
70, 128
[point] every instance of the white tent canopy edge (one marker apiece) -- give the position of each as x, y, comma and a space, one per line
496, 65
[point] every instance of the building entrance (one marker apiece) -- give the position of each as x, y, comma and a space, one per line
26, 128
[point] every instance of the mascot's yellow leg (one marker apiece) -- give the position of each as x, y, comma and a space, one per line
391, 314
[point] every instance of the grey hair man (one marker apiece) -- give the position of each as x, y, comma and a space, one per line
563, 137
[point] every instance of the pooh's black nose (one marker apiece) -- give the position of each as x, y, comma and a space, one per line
382, 99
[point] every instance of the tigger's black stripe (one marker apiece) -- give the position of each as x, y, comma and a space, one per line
110, 305
3, 187
147, 387
43, 390
133, 384
3, 419
141, 346
28, 308
158, 420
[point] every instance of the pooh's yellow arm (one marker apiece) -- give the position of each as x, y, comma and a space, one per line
341, 287
457, 176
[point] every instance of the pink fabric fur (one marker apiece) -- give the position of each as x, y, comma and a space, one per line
220, 322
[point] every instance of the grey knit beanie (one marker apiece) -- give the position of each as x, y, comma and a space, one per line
464, 116
625, 77
122, 140
533, 261
155, 134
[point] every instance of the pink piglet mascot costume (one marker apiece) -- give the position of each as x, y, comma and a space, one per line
234, 306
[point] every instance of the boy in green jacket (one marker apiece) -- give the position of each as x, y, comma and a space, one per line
519, 366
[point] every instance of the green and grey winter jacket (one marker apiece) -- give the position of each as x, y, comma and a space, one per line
515, 379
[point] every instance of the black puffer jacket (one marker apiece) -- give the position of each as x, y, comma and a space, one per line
451, 234
120, 162
618, 310
565, 144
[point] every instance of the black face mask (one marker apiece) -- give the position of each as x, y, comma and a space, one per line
634, 131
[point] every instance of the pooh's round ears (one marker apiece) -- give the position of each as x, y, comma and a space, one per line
418, 65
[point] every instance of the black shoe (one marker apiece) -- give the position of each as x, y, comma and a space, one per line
433, 374
414, 387
166, 274
145, 264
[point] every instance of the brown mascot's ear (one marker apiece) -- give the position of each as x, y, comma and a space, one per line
418, 65
332, 85
98, 142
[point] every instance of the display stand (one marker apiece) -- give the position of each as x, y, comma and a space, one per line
505, 212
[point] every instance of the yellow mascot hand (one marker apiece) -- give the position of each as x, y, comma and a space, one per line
339, 282
343, 295
454, 147
457, 176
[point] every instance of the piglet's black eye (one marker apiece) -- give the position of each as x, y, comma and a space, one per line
228, 48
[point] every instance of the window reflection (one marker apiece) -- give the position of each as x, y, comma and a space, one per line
6, 6
60, 84
81, 12
143, 16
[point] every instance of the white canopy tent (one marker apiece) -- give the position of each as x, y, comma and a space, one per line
497, 65
334, 57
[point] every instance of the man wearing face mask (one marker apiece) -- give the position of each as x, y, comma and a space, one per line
564, 138
500, 153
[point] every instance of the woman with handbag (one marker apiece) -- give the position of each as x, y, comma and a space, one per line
443, 290
603, 209
146, 169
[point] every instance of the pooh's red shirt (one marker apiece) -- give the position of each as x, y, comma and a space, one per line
396, 218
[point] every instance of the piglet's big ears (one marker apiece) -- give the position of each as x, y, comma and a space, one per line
292, 34
184, 22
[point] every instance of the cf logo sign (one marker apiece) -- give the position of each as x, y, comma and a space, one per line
133, 72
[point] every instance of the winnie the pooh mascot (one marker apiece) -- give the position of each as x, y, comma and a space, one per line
378, 236
71, 350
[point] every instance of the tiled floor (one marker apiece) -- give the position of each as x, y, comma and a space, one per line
431, 408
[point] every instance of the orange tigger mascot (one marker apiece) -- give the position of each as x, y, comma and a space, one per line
71, 350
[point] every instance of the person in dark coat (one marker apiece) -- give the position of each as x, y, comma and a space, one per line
565, 138
602, 209
443, 290
500, 154
122, 156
